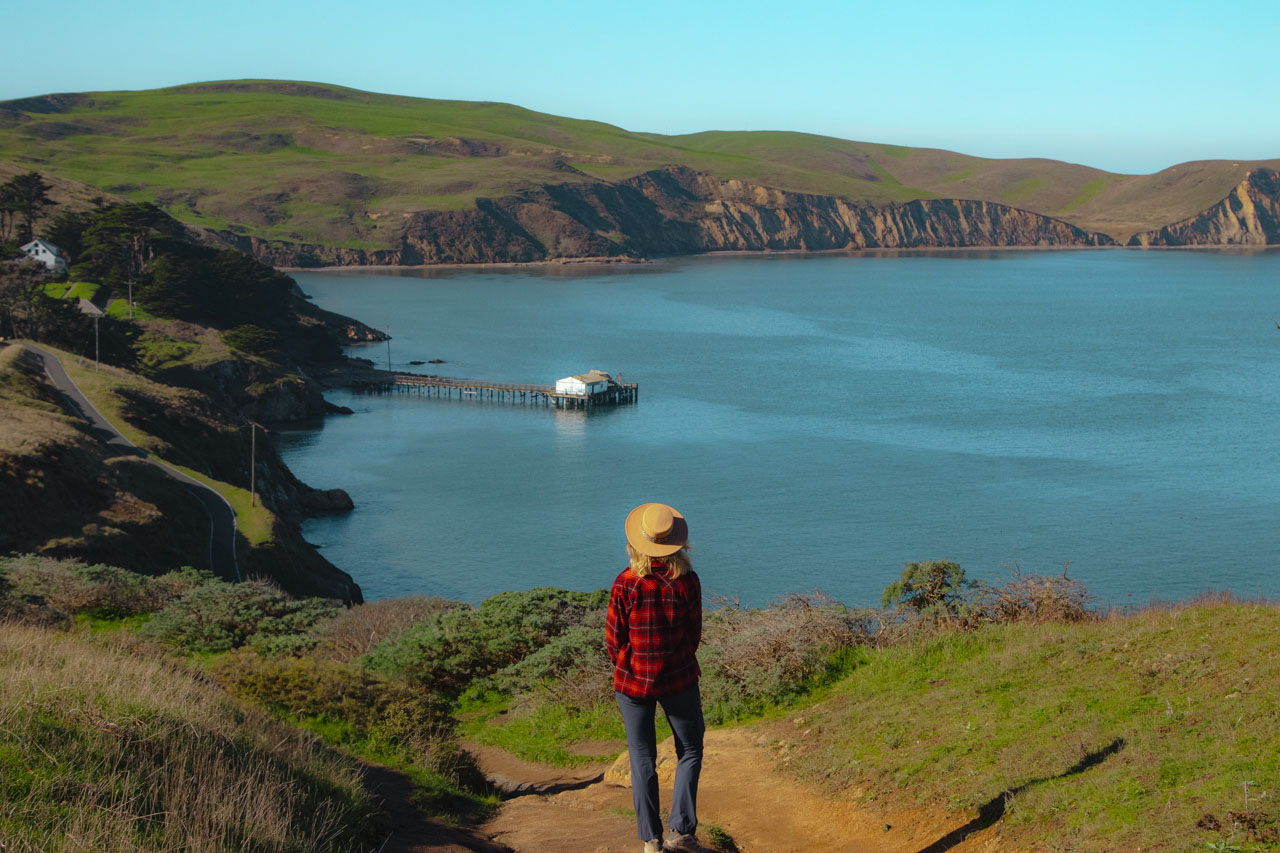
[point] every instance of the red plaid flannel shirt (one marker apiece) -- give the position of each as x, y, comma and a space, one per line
652, 632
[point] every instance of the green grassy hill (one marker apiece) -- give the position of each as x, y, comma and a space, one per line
308, 162
1154, 730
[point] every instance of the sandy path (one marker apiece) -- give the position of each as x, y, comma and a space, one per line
763, 810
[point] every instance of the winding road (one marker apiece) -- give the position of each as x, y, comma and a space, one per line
222, 518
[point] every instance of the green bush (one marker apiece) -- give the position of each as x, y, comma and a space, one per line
449, 650
370, 707
933, 587
575, 662
221, 616
254, 340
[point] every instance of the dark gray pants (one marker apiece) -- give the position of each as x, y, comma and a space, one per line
684, 713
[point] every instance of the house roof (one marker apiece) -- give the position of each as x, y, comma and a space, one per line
49, 247
590, 377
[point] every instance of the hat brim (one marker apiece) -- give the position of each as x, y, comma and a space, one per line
674, 541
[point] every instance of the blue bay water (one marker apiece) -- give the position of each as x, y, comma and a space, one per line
820, 420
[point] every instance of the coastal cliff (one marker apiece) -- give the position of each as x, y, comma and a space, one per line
73, 495
1248, 216
672, 211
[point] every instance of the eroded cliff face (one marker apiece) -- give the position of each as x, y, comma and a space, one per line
676, 211
1248, 216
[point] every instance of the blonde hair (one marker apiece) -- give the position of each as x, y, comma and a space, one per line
677, 564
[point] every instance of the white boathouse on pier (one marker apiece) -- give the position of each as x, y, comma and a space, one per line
584, 384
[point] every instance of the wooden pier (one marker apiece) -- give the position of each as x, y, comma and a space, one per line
617, 394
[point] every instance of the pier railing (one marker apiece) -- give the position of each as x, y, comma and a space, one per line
617, 394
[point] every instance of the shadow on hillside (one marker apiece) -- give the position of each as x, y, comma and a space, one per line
407, 830
992, 810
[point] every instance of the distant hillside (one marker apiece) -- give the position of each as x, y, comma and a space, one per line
310, 173
1248, 216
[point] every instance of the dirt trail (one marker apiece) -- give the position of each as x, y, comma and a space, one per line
408, 831
763, 810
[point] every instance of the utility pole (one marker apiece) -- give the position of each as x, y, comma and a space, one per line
254, 426
135, 261
96, 318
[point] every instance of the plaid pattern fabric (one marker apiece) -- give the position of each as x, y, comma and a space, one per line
652, 633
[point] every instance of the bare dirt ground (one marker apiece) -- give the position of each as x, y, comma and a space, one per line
741, 791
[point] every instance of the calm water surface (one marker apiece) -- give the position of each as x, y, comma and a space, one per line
820, 420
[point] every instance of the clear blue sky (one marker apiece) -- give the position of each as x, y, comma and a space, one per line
1125, 86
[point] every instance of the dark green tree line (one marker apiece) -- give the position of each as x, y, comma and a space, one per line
22, 200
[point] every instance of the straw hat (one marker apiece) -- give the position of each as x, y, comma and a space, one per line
656, 530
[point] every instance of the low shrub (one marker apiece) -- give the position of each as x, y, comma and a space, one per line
753, 657
410, 722
1032, 598
936, 596
97, 590
254, 340
573, 668
221, 616
357, 629
452, 648
33, 611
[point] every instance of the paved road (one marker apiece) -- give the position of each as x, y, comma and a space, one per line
222, 518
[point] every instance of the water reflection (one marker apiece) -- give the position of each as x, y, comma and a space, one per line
571, 423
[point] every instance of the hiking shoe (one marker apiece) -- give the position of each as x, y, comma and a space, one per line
654, 846
678, 842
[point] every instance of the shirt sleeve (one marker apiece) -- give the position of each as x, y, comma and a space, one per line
695, 610
615, 626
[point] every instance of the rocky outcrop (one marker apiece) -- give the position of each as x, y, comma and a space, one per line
281, 253
252, 389
66, 492
1248, 216
676, 211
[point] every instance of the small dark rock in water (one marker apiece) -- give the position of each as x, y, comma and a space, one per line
332, 409
325, 502
437, 361
417, 362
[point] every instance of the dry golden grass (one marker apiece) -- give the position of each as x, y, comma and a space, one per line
106, 749
30, 419
26, 431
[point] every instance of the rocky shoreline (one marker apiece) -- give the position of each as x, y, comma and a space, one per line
674, 210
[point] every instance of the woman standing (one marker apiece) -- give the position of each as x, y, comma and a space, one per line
652, 633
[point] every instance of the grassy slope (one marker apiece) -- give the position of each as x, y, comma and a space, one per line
1118, 734
30, 418
105, 749
327, 164
255, 522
